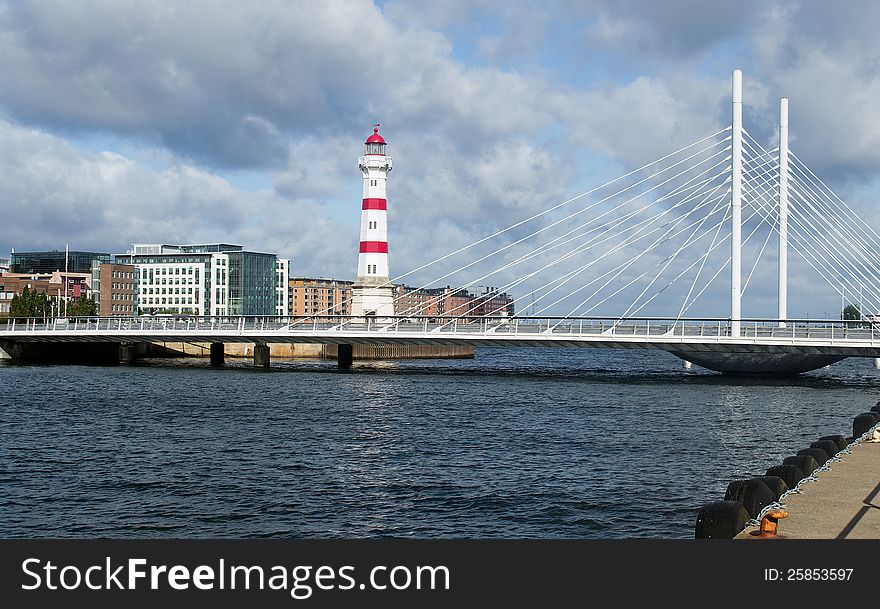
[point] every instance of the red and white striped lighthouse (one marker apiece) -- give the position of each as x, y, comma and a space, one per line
372, 293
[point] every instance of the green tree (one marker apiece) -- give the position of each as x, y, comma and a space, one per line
82, 306
30, 303
18, 306
851, 312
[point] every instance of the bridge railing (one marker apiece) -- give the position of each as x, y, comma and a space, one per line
647, 327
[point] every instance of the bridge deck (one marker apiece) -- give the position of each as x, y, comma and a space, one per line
847, 339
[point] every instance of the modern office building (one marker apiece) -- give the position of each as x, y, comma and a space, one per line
34, 263
282, 287
203, 279
312, 296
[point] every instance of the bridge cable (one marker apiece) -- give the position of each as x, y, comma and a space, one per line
847, 222
715, 246
656, 277
668, 261
803, 168
606, 213
811, 252
718, 201
618, 247
535, 216
631, 239
687, 302
813, 218
613, 224
703, 259
628, 241
853, 242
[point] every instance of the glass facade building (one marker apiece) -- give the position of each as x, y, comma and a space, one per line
48, 262
252, 283
204, 279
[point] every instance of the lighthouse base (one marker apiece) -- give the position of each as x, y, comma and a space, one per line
372, 297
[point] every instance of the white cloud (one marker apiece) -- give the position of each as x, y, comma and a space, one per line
291, 89
647, 32
55, 194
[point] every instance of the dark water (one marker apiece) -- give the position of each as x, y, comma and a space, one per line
516, 443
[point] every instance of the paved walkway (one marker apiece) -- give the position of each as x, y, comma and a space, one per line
842, 503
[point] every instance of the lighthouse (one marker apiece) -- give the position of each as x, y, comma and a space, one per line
372, 293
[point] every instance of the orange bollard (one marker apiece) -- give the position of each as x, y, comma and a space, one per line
769, 524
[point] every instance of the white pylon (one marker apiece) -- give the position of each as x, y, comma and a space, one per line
736, 208
783, 211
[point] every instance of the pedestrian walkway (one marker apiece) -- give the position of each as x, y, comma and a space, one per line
842, 503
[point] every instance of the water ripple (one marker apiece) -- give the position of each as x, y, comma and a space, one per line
526, 443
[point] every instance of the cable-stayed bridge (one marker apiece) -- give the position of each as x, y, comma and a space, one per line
661, 257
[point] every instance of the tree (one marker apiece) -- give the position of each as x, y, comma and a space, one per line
29, 303
18, 307
81, 307
851, 312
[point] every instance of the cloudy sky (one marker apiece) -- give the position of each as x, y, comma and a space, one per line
128, 121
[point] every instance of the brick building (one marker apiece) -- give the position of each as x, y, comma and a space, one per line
50, 284
310, 296
451, 302
115, 290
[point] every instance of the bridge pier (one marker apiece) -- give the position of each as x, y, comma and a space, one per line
773, 364
126, 353
261, 356
218, 354
344, 356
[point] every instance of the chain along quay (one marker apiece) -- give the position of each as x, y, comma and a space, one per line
827, 491
540, 442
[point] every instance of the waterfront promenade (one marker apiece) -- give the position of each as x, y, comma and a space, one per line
842, 503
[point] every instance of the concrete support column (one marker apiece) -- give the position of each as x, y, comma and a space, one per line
217, 354
126, 353
261, 356
344, 356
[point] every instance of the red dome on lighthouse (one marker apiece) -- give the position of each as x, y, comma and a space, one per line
375, 138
